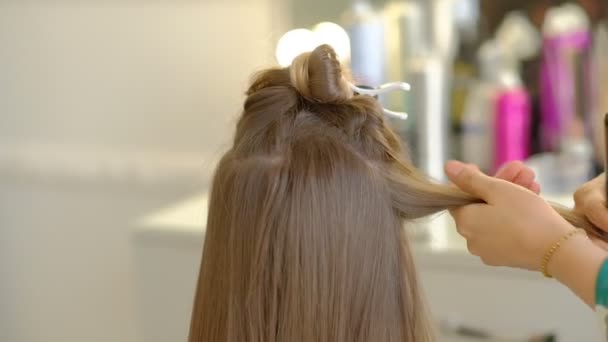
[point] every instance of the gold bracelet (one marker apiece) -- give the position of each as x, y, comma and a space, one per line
551, 251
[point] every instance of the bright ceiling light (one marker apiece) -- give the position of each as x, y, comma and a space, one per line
335, 36
294, 43
298, 41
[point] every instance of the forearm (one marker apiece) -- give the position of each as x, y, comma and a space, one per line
576, 264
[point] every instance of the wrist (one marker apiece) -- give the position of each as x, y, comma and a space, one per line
556, 246
575, 248
576, 264
550, 238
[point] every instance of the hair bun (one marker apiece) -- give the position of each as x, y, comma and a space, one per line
318, 76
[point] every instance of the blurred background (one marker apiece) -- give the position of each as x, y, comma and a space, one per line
112, 111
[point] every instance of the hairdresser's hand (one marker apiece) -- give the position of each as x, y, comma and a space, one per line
514, 228
590, 200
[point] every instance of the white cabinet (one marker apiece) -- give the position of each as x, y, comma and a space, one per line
505, 302
167, 250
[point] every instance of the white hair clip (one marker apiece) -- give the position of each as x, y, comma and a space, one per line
383, 89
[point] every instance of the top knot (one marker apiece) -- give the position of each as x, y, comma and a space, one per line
318, 76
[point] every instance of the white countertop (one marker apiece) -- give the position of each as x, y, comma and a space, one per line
185, 219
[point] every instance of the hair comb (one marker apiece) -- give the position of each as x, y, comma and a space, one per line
383, 89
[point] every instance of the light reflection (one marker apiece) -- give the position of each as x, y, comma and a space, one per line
294, 43
302, 40
335, 36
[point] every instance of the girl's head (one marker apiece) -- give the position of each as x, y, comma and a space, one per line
305, 237
303, 241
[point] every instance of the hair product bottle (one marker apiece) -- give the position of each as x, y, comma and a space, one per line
565, 85
365, 28
511, 125
478, 117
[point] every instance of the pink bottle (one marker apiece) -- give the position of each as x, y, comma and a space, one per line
512, 126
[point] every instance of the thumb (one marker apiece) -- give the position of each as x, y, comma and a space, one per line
470, 180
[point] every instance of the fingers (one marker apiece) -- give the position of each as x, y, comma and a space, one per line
510, 171
473, 166
591, 201
596, 211
470, 231
535, 188
457, 214
470, 180
525, 178
474, 223
466, 218
518, 173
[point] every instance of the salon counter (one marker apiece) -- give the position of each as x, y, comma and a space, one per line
459, 289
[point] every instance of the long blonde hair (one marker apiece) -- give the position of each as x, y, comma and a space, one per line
305, 238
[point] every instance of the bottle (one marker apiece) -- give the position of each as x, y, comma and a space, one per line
478, 117
365, 28
466, 18
513, 116
600, 92
429, 99
566, 44
512, 127
405, 38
